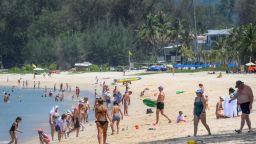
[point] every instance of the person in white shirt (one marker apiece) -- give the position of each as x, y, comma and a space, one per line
181, 117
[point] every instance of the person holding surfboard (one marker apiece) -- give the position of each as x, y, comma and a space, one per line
160, 105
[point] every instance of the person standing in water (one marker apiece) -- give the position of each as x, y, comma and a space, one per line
117, 115
61, 86
34, 84
77, 91
54, 87
52, 119
15, 128
102, 117
76, 120
26, 83
126, 102
160, 105
199, 112
245, 98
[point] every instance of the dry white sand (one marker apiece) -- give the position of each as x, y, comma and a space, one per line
222, 130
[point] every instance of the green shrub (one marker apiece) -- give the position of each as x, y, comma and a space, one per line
94, 68
105, 67
52, 66
15, 70
27, 67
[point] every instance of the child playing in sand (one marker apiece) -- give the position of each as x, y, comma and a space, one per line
43, 138
181, 117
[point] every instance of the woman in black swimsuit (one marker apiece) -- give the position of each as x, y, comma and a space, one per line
13, 130
102, 117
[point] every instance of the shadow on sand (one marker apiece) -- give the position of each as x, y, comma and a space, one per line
224, 137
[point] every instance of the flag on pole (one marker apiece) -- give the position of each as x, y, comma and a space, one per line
130, 53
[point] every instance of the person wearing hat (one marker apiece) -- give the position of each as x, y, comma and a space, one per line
160, 105
199, 112
219, 108
244, 97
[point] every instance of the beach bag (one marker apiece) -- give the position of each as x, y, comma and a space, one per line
149, 111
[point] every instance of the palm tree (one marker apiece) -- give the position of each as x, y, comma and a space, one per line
150, 32
187, 52
221, 48
248, 41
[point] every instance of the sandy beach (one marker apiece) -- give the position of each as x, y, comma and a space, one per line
222, 129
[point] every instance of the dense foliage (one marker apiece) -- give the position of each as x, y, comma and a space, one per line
61, 32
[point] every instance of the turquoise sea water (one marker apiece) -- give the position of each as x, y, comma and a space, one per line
33, 109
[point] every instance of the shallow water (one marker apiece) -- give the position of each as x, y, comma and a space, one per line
34, 111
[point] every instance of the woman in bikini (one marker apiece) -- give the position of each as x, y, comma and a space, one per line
199, 112
102, 117
14, 129
220, 109
52, 120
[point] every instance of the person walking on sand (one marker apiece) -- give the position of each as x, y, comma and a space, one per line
15, 128
102, 117
126, 102
116, 116
199, 112
244, 97
160, 105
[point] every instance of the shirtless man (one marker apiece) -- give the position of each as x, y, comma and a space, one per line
160, 105
116, 116
126, 102
244, 97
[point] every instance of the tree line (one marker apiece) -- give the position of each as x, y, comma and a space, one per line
64, 32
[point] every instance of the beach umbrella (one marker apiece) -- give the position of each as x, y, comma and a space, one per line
39, 69
250, 64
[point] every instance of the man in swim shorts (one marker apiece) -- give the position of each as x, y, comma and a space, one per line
160, 105
126, 102
116, 116
244, 97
